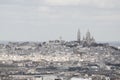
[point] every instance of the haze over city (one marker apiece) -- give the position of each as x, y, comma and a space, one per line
41, 20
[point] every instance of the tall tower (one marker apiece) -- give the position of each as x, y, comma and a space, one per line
78, 36
88, 36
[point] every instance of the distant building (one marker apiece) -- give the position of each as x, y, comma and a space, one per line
87, 39
78, 36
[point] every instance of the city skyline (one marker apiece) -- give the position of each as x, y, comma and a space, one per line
38, 20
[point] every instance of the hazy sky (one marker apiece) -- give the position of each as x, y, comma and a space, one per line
39, 20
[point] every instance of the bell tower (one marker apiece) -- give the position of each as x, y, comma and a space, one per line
78, 36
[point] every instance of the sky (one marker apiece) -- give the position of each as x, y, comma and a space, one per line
43, 20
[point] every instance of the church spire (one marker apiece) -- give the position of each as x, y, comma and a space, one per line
88, 35
78, 36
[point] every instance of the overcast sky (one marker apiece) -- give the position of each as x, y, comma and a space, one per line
39, 20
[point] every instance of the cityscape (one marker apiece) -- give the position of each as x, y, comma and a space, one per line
59, 39
80, 59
